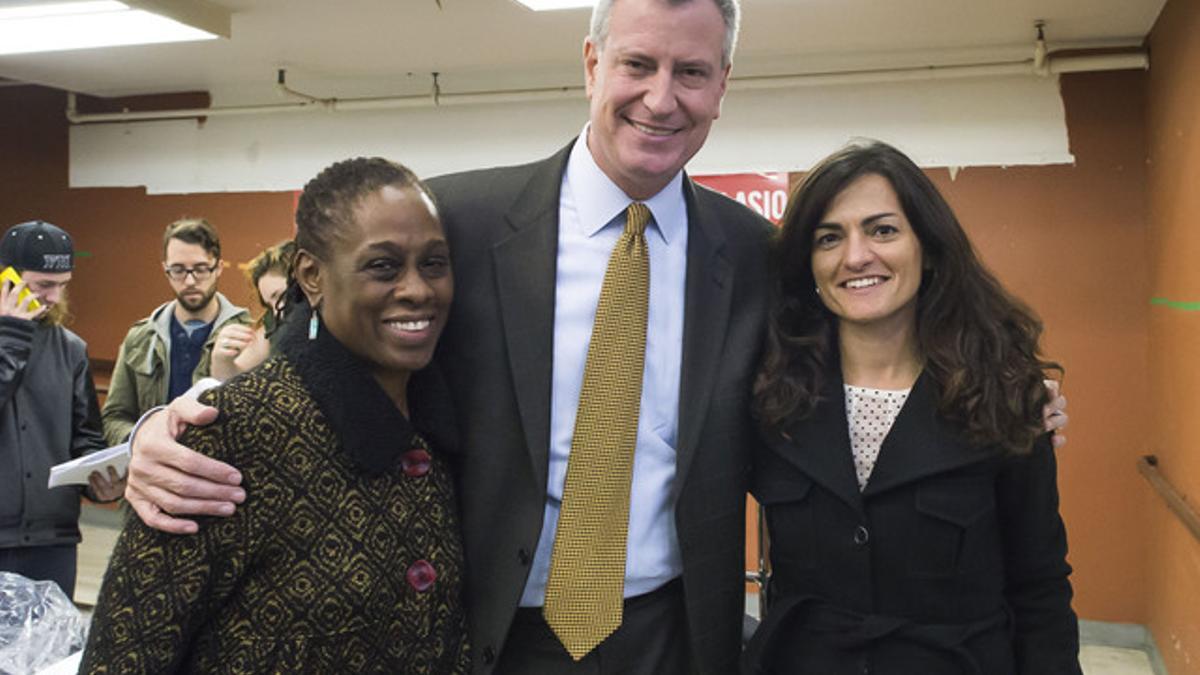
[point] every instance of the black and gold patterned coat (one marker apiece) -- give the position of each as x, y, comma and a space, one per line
345, 557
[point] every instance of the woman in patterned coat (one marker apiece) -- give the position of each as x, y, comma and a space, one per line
346, 555
909, 491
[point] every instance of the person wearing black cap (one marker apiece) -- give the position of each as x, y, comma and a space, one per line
48, 410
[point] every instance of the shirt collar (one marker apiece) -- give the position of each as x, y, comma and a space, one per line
598, 200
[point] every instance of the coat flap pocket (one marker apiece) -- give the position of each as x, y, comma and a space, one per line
141, 358
960, 500
780, 489
138, 357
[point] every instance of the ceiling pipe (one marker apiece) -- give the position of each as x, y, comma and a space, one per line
1137, 60
1040, 66
1063, 64
282, 87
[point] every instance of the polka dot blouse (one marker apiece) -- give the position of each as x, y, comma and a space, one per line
870, 414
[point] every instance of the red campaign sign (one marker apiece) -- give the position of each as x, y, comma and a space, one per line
765, 193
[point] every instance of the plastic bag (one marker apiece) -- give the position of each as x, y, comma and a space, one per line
39, 625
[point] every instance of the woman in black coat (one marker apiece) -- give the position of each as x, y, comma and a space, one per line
909, 490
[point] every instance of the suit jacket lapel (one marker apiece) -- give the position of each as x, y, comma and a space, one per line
525, 280
919, 444
820, 445
709, 287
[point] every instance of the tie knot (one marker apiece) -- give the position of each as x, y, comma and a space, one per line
636, 218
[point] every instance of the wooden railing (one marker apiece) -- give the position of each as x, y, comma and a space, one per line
1148, 467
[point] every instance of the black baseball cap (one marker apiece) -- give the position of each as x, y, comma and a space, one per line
37, 246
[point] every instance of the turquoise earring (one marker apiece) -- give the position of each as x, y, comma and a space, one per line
314, 323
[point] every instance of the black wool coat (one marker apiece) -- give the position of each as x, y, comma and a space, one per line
951, 560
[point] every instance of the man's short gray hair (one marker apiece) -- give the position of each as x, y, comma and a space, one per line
730, 14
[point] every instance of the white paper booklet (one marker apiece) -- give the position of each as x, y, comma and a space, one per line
76, 471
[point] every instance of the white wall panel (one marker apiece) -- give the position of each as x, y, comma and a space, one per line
968, 122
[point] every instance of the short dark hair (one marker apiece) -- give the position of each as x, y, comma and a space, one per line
978, 342
196, 231
329, 199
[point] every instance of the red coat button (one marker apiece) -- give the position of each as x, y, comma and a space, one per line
416, 462
421, 576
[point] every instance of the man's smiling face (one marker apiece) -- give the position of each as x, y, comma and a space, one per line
655, 88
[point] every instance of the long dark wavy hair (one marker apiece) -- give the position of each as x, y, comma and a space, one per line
978, 343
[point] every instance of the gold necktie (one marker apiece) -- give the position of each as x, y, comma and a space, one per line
585, 589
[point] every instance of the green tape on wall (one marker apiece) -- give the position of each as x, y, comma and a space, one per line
1175, 304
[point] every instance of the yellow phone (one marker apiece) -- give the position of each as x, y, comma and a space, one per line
10, 275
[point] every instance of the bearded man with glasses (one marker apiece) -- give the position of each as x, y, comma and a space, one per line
164, 353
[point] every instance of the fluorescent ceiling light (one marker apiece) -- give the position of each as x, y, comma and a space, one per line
545, 5
61, 8
100, 23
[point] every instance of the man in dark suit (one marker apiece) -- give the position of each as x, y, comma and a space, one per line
530, 246
503, 354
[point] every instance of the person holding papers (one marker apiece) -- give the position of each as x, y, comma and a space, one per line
48, 410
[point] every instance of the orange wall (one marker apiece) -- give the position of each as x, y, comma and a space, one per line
1173, 139
1070, 240
121, 280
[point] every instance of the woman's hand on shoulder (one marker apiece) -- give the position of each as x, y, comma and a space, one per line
1054, 414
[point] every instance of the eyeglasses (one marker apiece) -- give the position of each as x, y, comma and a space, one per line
180, 273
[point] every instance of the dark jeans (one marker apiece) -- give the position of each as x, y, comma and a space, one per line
43, 563
652, 640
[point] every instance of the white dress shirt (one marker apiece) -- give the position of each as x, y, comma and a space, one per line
591, 216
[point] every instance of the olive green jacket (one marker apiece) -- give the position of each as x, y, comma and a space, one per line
142, 372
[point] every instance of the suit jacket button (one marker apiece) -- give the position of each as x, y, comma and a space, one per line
421, 575
416, 462
523, 556
861, 535
489, 655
